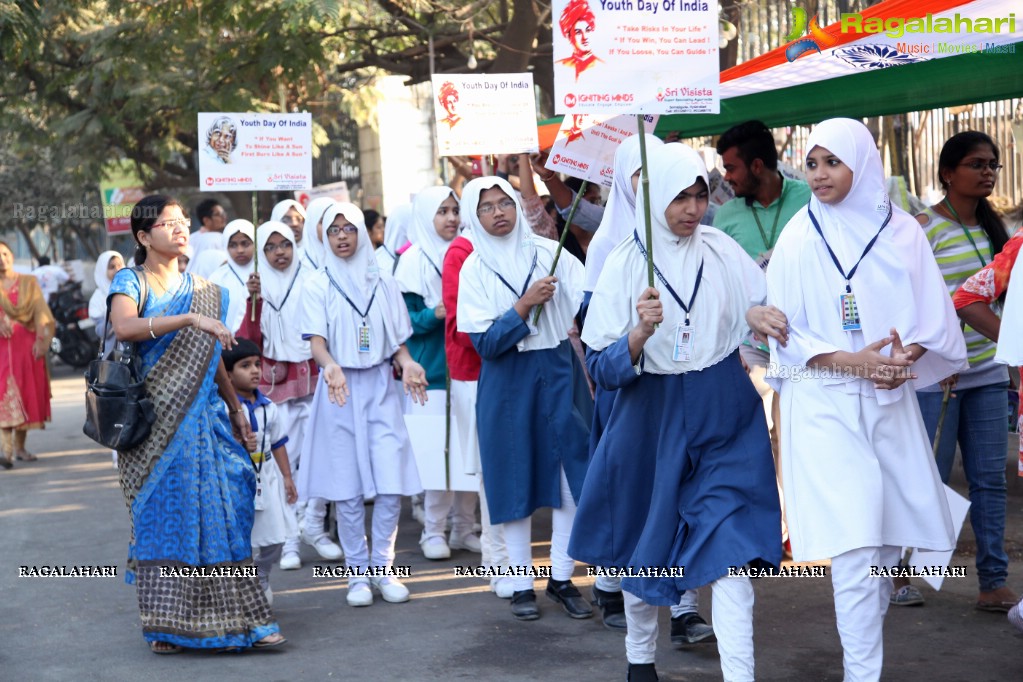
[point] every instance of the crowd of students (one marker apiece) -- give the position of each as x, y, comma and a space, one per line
653, 449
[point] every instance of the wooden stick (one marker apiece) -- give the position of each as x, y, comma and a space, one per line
447, 429
644, 181
561, 242
255, 249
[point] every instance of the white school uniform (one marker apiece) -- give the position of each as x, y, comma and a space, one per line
234, 277
275, 522
360, 449
858, 472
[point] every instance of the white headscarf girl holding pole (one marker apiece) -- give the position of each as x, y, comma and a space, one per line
234, 275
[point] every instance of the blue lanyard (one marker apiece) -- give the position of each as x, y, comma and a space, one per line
290, 287
696, 287
236, 275
834, 258
525, 286
341, 291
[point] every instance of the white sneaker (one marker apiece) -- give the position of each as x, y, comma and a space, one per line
324, 546
502, 586
290, 561
269, 596
467, 542
435, 548
391, 589
359, 592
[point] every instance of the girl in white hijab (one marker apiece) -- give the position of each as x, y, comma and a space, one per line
867, 311
233, 275
314, 219
291, 213
395, 236
107, 265
288, 372
683, 474
207, 262
435, 224
533, 404
620, 211
356, 445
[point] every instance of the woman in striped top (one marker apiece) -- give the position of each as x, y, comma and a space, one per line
965, 233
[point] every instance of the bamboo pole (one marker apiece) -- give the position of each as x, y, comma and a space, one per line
255, 248
561, 243
644, 181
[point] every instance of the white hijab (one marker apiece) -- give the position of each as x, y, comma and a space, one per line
282, 294
395, 237
483, 297
98, 302
419, 269
277, 216
246, 228
897, 284
233, 277
207, 261
619, 218
313, 248
730, 284
358, 274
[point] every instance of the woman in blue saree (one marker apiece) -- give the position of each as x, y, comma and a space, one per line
190, 486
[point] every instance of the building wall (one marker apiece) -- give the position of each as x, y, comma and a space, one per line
397, 158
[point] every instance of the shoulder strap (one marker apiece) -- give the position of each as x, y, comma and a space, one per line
140, 275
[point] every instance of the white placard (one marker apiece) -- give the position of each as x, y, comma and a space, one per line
492, 113
426, 424
338, 191
586, 145
253, 152
636, 56
958, 506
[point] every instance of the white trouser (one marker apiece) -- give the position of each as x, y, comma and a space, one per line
608, 583
494, 551
264, 559
733, 625
518, 538
294, 415
861, 602
689, 602
351, 527
461, 506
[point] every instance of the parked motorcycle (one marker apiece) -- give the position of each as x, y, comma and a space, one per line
75, 341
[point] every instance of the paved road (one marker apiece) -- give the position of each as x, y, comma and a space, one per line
67, 509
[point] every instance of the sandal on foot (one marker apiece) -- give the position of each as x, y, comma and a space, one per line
999, 600
270, 641
6, 462
25, 456
907, 595
165, 648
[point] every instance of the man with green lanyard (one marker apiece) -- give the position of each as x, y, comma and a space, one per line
764, 202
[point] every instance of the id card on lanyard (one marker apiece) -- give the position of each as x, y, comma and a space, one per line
682, 351
365, 337
849, 312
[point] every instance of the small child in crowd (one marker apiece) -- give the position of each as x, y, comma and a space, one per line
274, 521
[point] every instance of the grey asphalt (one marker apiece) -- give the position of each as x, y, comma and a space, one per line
67, 509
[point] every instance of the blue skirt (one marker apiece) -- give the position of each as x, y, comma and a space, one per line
682, 476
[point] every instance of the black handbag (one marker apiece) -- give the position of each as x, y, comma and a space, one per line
118, 413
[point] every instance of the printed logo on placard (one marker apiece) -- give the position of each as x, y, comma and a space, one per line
570, 100
209, 182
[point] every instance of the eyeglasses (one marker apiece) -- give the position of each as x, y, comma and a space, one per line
981, 165
281, 246
487, 209
175, 224
333, 230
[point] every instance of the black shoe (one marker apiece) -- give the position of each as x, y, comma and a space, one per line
566, 594
523, 605
642, 672
612, 608
689, 628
